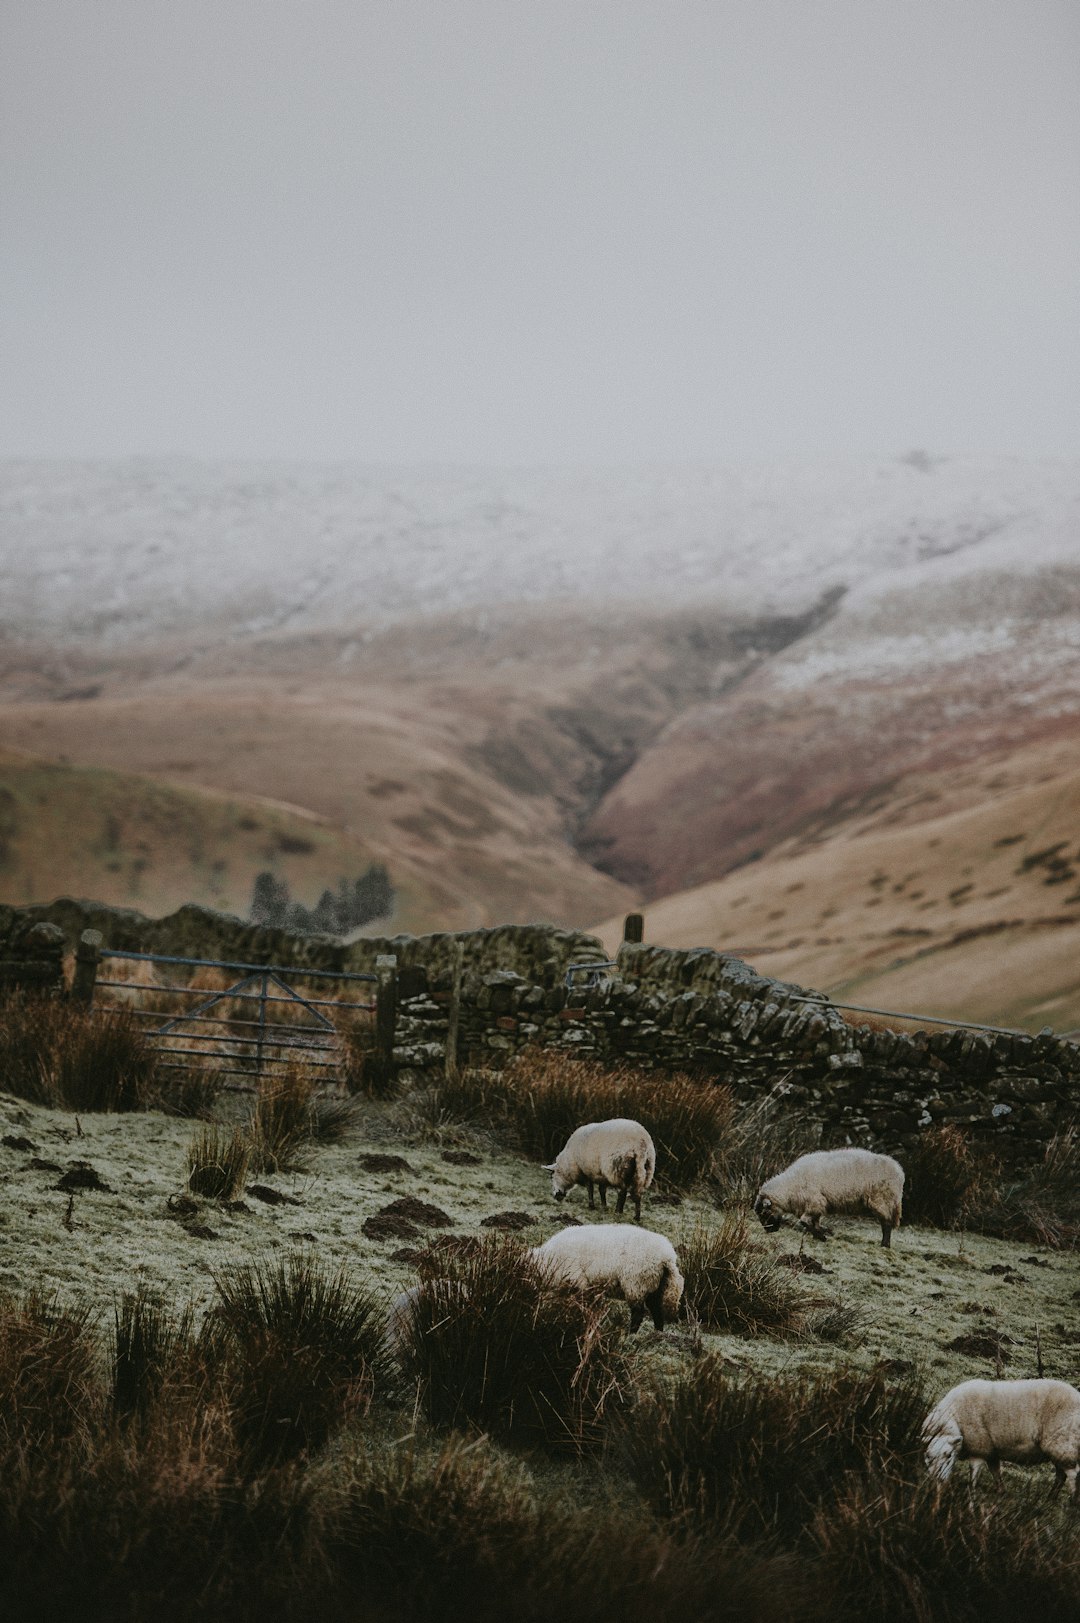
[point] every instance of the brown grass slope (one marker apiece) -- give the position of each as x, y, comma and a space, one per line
955, 893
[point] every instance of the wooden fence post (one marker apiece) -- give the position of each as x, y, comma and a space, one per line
453, 1014
386, 1006
634, 928
87, 958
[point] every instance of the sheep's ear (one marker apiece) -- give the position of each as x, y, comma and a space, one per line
549, 1168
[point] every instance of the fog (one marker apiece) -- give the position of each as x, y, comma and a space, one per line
503, 231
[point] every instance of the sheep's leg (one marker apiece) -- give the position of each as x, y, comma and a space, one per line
1059, 1479
603, 1194
814, 1225
886, 1233
592, 1203
655, 1304
637, 1208
637, 1313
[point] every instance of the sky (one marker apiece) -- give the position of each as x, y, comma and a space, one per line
539, 231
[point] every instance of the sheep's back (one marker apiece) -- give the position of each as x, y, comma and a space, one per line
843, 1177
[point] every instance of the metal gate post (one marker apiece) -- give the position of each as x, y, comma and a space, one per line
260, 1039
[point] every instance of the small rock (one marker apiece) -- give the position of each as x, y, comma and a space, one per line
801, 1264
383, 1227
461, 1158
40, 1165
406, 1253
508, 1221
384, 1163
272, 1197
83, 1176
200, 1231
417, 1211
182, 1205
15, 1141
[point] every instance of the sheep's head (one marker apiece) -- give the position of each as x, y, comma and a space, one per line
559, 1184
770, 1217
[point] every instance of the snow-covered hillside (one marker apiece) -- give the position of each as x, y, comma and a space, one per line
111, 554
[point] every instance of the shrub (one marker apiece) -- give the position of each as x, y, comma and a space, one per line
218, 1163
332, 1117
944, 1178
47, 1373
148, 1342
1040, 1203
759, 1457
493, 1344
61, 1054
762, 1138
193, 1092
896, 1552
305, 1350
460, 1535
283, 1119
734, 1285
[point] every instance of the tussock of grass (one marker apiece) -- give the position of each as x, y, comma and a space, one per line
544, 1094
218, 1162
955, 1183
760, 1458
734, 1285
1041, 1203
763, 1136
945, 1176
895, 1552
60, 1054
461, 1535
149, 1340
305, 1345
493, 1344
48, 1362
283, 1120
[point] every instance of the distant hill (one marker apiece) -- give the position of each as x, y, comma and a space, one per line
955, 893
543, 695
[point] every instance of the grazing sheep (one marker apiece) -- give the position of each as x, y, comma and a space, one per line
834, 1181
640, 1265
990, 1421
617, 1153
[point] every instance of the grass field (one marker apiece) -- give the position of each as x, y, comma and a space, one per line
261, 1456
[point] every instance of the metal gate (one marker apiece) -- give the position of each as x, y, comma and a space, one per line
254, 1042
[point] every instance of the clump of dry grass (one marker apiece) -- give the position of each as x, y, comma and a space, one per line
492, 1343
283, 1120
218, 1161
896, 1552
763, 1136
734, 1285
61, 1054
305, 1350
759, 1458
953, 1182
460, 1534
48, 1368
544, 1094
945, 1177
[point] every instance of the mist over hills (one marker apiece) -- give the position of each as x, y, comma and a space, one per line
107, 555
534, 693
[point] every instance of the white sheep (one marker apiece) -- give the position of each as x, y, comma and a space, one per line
638, 1264
847, 1180
990, 1421
618, 1154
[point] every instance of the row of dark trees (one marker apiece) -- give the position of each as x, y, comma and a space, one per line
354, 902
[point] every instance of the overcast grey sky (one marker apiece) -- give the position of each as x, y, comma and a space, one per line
539, 230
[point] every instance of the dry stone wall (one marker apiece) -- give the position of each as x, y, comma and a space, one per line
699, 1011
